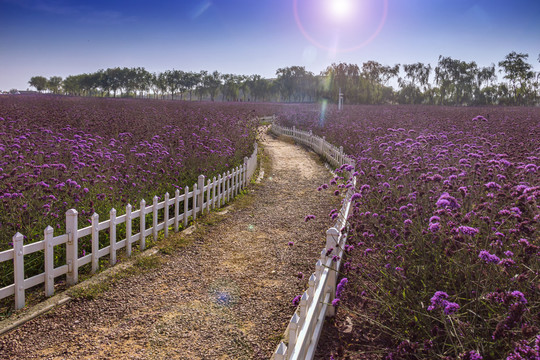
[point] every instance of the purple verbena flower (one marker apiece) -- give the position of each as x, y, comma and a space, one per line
467, 230
488, 258
340, 286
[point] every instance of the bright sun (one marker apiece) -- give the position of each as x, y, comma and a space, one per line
340, 9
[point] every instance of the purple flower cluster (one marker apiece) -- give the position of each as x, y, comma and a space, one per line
438, 301
488, 258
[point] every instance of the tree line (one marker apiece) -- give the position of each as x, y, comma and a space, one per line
450, 82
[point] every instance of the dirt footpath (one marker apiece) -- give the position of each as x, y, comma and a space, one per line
223, 292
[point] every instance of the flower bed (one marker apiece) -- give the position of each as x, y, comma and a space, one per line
444, 257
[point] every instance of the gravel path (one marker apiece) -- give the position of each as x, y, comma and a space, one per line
225, 294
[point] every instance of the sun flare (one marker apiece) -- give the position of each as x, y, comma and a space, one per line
340, 9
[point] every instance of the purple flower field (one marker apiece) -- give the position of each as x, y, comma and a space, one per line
90, 154
444, 257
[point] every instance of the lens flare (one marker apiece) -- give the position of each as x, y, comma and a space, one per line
322, 116
340, 9
340, 25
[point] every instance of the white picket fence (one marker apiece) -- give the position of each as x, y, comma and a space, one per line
306, 323
205, 196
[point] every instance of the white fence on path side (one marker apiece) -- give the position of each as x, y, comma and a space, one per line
205, 196
307, 321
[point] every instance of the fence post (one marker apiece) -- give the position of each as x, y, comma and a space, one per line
112, 235
323, 144
129, 230
244, 173
186, 205
303, 309
341, 160
219, 191
318, 269
332, 236
142, 216
311, 289
154, 217
49, 261
208, 195
281, 352
215, 184
72, 255
166, 215
234, 181
293, 327
195, 201
228, 185
200, 186
18, 268
176, 210
95, 243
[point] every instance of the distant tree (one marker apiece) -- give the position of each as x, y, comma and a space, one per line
39, 82
190, 80
72, 85
258, 87
173, 79
200, 89
484, 91
54, 83
212, 83
520, 75
377, 76
415, 83
230, 86
286, 81
159, 84
244, 85
456, 80
341, 76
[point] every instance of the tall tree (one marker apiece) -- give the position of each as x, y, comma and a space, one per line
520, 74
456, 80
212, 83
341, 76
415, 83
54, 83
39, 82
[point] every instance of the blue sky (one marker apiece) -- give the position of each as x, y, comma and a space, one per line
62, 37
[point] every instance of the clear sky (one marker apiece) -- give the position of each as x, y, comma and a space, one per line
69, 37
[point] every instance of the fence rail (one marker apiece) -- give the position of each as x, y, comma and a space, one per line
203, 197
307, 321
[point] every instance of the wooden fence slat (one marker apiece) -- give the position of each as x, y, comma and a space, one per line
186, 205
281, 352
200, 197
142, 225
72, 247
166, 215
219, 191
176, 210
228, 185
155, 217
49, 261
112, 235
18, 268
244, 172
293, 327
195, 200
129, 230
95, 243
214, 182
